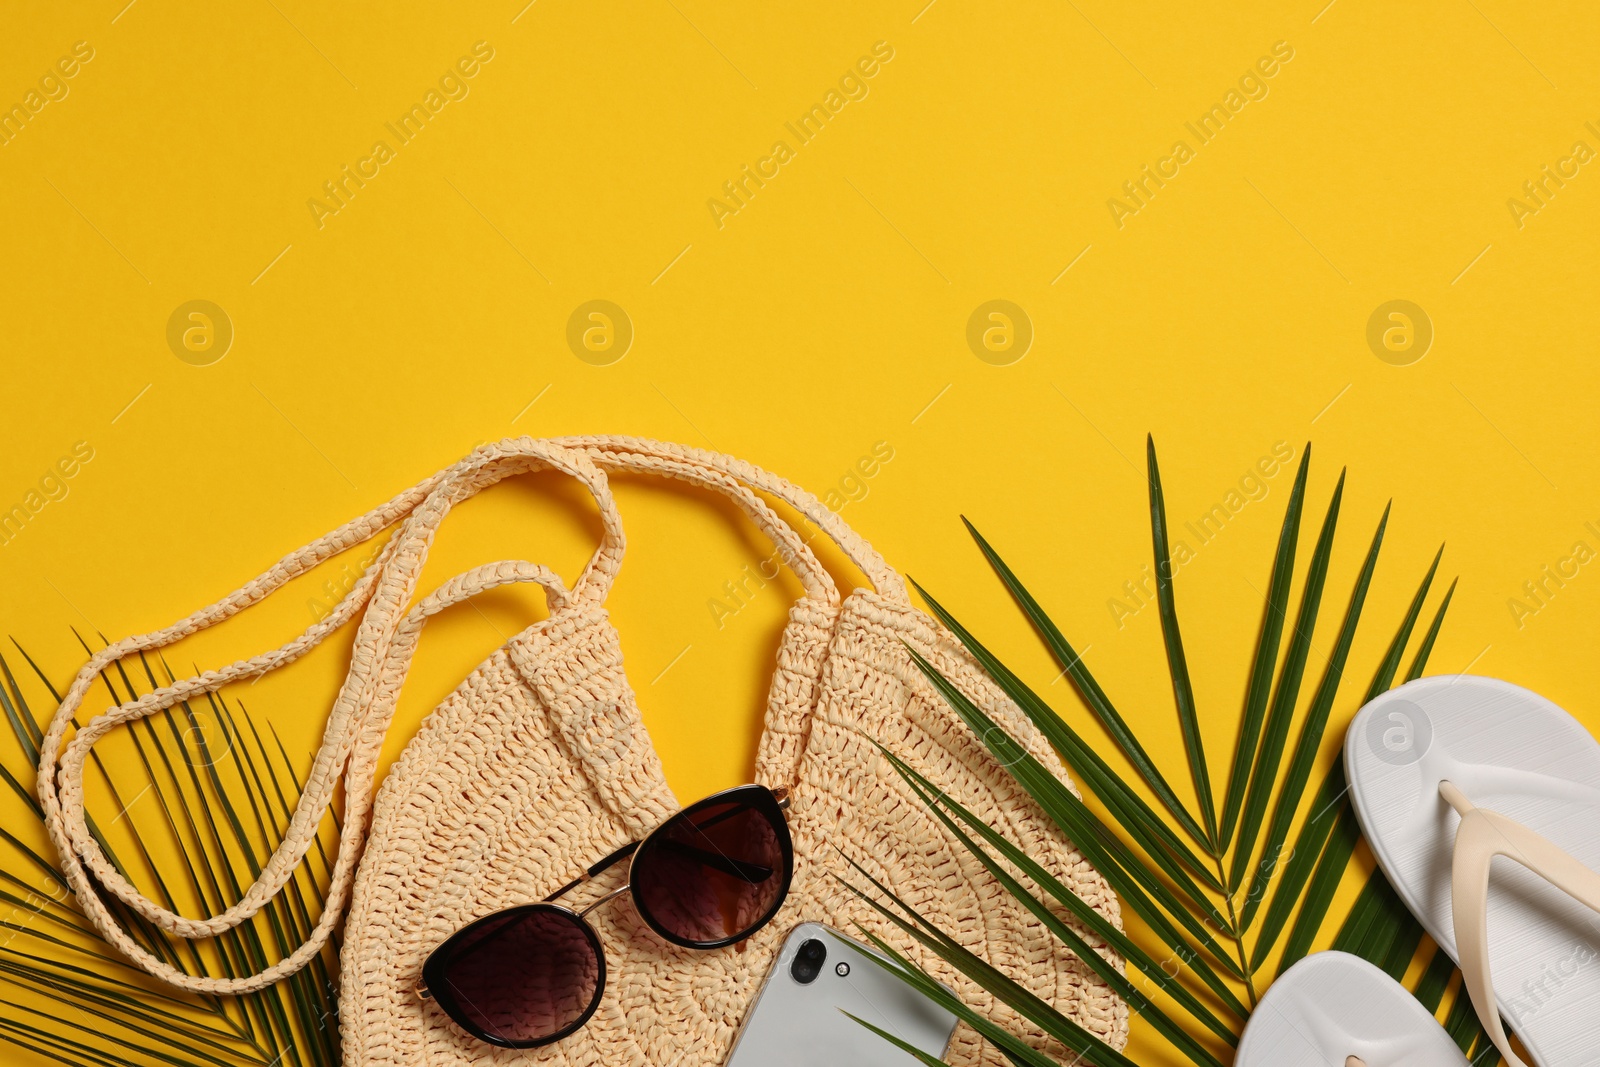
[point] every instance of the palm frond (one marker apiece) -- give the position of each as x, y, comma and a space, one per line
1435, 980
1177, 661
904, 1046
1379, 928
1275, 736
1383, 679
1293, 784
1266, 653
1332, 863
1327, 809
1139, 887
1109, 972
1250, 854
1100, 705
943, 806
1015, 1049
1420, 661
1461, 1022
219, 806
947, 948
1132, 813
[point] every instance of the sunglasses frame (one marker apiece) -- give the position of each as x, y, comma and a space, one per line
769, 802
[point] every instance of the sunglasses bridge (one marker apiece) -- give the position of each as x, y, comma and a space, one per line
608, 898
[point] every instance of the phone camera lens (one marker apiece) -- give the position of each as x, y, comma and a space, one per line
808, 961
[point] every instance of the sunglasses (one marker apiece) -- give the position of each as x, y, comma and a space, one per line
710, 876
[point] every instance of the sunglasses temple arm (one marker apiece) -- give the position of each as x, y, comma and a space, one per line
599, 868
780, 794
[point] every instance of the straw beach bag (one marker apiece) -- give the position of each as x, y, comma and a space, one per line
539, 764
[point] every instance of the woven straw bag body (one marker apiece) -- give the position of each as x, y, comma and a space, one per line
539, 764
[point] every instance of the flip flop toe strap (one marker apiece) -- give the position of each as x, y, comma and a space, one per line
1481, 837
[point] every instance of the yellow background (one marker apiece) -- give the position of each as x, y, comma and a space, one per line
829, 314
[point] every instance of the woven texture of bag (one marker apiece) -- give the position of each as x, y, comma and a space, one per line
539, 764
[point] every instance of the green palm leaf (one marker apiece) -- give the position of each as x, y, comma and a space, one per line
1435, 980
904, 1046
1266, 654
1141, 849
1292, 787
1275, 736
1108, 972
1383, 680
1177, 661
1070, 662
1141, 888
1331, 865
1058, 1026
1328, 807
1016, 1050
68, 996
1132, 813
1426, 649
944, 806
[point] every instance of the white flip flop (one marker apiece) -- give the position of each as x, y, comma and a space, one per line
1333, 1009
1447, 773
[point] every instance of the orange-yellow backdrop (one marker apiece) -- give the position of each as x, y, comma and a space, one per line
1228, 296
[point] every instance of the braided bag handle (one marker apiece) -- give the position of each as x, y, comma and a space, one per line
613, 452
639, 456
384, 641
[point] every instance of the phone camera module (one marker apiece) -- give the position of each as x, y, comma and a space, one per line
808, 961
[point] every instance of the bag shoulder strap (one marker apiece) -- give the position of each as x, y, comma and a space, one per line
383, 644
638, 453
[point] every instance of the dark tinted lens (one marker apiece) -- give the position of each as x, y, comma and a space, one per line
715, 872
519, 977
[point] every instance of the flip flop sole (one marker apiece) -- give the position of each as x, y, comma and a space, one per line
1333, 1005
1509, 751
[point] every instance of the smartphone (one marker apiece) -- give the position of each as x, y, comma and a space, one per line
799, 1020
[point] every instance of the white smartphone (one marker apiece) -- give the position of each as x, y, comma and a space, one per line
799, 1020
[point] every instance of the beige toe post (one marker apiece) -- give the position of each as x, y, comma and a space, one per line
1481, 837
